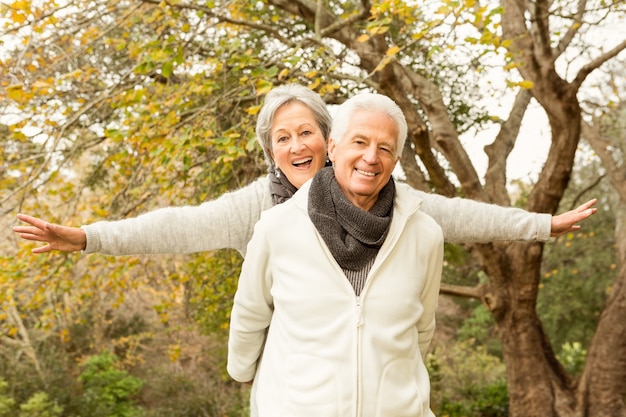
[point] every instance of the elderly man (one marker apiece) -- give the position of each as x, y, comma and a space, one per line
336, 302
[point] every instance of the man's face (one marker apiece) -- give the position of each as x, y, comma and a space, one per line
365, 157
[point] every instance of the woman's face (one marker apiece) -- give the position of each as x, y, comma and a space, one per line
298, 145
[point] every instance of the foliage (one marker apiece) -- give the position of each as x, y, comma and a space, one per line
480, 328
572, 356
178, 395
39, 405
6, 402
466, 381
108, 391
211, 288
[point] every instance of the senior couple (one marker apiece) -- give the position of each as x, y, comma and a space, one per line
339, 286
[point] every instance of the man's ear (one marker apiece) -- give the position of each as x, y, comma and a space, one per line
331, 149
395, 164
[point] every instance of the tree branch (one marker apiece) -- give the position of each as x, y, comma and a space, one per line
498, 151
597, 63
616, 173
210, 12
462, 291
540, 29
573, 29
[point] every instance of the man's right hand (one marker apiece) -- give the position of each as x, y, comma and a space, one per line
57, 237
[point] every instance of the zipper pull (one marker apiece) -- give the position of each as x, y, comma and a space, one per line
359, 313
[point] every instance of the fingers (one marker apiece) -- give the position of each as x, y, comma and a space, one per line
42, 249
588, 204
567, 222
37, 231
31, 235
586, 210
34, 221
57, 237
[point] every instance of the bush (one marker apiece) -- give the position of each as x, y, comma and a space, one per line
108, 391
39, 405
467, 382
572, 356
6, 402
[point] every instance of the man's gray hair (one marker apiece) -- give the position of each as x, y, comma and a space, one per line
369, 102
277, 98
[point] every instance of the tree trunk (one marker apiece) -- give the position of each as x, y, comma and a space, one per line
538, 385
602, 390
603, 384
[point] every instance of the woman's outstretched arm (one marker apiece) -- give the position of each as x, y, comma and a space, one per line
467, 221
226, 222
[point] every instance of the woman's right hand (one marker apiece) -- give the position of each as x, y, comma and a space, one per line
57, 237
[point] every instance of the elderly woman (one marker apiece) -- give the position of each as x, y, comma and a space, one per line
293, 128
339, 287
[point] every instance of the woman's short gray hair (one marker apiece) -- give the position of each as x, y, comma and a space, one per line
369, 102
280, 96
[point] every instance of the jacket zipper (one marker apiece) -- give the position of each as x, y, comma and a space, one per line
358, 323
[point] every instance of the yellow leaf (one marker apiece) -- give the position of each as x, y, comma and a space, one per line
378, 30
17, 93
263, 87
174, 351
17, 17
328, 88
314, 84
382, 64
392, 51
253, 110
363, 38
283, 73
526, 84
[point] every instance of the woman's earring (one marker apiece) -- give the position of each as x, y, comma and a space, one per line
277, 172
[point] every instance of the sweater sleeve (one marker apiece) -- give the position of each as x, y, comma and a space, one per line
252, 309
467, 221
226, 222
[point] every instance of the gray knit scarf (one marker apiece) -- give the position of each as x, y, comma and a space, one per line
353, 235
280, 188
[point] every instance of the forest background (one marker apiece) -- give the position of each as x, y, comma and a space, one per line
109, 109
